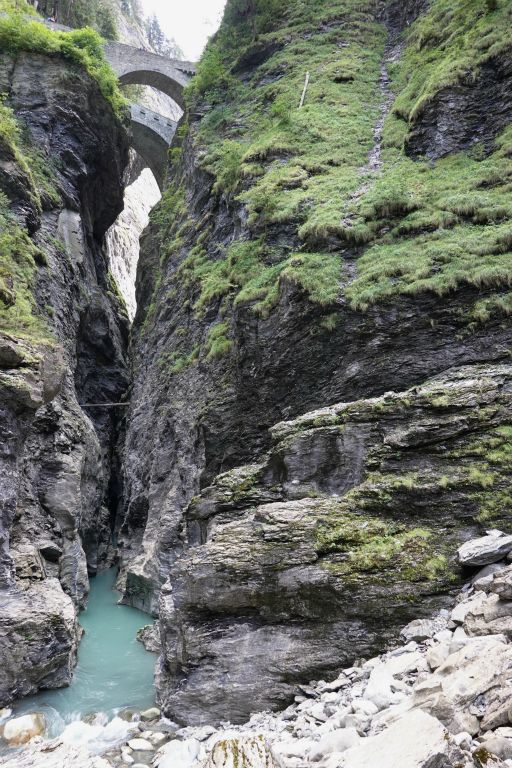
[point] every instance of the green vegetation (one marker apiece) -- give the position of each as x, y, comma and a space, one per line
446, 46
287, 164
18, 254
488, 458
457, 228
174, 363
81, 46
17, 269
374, 545
99, 14
419, 226
218, 344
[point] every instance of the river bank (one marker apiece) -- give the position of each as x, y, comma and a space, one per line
114, 672
440, 698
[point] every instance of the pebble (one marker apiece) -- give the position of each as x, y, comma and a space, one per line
153, 713
140, 745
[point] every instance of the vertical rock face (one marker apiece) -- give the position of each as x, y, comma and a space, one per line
346, 529
140, 196
282, 274
62, 343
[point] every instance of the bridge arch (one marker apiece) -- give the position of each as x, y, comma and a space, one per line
151, 136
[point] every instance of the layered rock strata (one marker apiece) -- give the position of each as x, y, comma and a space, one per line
319, 552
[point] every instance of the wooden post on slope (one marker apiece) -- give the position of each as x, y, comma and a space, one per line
304, 91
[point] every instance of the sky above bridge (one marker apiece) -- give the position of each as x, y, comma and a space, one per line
190, 23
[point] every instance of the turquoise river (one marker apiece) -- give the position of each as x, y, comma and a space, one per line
114, 671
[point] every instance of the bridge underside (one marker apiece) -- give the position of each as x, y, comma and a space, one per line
156, 80
152, 133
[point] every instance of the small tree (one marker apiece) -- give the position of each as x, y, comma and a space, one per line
106, 22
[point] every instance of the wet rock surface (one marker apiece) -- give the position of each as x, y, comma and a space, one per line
38, 639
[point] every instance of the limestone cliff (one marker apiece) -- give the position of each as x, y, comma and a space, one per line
63, 337
311, 252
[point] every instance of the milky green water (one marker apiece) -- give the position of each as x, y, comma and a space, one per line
113, 671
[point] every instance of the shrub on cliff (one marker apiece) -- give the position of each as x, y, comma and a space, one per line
82, 46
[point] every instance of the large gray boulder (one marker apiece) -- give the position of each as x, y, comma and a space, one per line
54, 754
491, 616
458, 685
501, 583
414, 741
248, 751
487, 549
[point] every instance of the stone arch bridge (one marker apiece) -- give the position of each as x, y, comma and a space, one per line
151, 133
151, 136
135, 66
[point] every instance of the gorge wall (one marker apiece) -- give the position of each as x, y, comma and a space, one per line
347, 260
63, 341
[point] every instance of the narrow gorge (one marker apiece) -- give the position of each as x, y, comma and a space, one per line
282, 424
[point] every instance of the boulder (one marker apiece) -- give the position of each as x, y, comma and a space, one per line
141, 745
461, 610
499, 746
492, 616
288, 748
20, 730
450, 692
487, 549
153, 713
54, 754
381, 689
178, 754
336, 741
423, 629
501, 583
157, 738
498, 711
483, 578
340, 682
414, 741
437, 655
401, 664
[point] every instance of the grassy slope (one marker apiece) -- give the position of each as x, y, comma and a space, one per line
304, 171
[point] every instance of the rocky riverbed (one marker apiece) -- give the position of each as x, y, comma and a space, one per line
440, 698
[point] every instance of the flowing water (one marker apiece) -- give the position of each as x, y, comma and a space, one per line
114, 671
